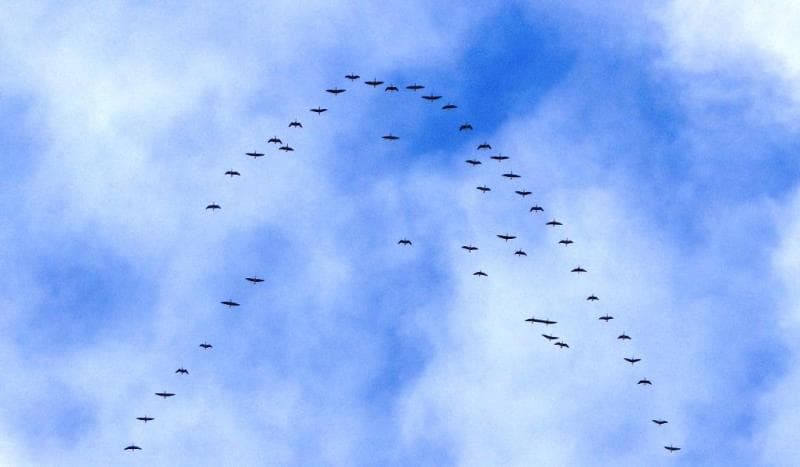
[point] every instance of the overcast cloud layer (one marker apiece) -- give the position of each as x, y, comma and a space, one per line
662, 135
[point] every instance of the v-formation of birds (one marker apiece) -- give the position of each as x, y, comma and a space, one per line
475, 161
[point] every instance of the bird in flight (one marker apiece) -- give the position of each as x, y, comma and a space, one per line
295, 124
537, 208
255, 154
213, 206
606, 318
522, 193
254, 279
465, 126
480, 273
319, 110
431, 97
449, 107
624, 337
373, 83
592, 298
553, 223
415, 87
390, 137
232, 173
549, 337
578, 270
632, 360
510, 175
483, 188
473, 162
562, 344
286, 148
546, 322
206, 346
484, 145
132, 448
352, 76
145, 418
671, 448
645, 381
469, 248
506, 237
230, 303
182, 371
275, 140
659, 422
566, 242
520, 253
336, 91
499, 157
404, 241
391, 88
165, 394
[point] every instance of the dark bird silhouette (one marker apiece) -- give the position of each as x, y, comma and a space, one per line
659, 422
391, 88
606, 318
499, 157
592, 298
182, 371
522, 193
506, 237
671, 448
145, 418
404, 241
473, 162
254, 279
632, 360
206, 346
566, 242
624, 337
286, 148
562, 344
549, 337
578, 270
275, 140
480, 273
352, 76
213, 206
483, 188
469, 248
553, 223
465, 126
484, 145
537, 208
546, 322
390, 137
232, 173
295, 124
319, 110
373, 83
336, 91
645, 381
520, 253
165, 394
511, 175
132, 448
449, 107
415, 87
255, 154
230, 303
431, 97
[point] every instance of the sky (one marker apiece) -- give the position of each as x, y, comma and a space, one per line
662, 134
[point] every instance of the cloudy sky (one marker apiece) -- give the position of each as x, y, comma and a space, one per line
663, 135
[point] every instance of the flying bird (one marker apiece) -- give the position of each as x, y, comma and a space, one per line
373, 83
469, 248
480, 273
537, 208
578, 270
465, 126
645, 381
296, 124
606, 318
546, 322
352, 76
562, 344
255, 154
473, 162
145, 418
391, 88
213, 206
230, 303
404, 241
165, 394
632, 360
319, 110
336, 91
520, 253
275, 140
659, 422
182, 371
553, 223
206, 346
132, 448
286, 148
390, 137
254, 279
592, 298
506, 237
484, 145
566, 242
510, 175
449, 107
624, 337
549, 337
232, 173
499, 157
671, 448
483, 188
415, 87
522, 193
431, 97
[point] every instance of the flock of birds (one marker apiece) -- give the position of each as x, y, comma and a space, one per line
474, 162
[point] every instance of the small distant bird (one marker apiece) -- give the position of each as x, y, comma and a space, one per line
553, 223
318, 110
465, 126
499, 157
632, 360
229, 303
606, 318
469, 248
165, 394
275, 140
404, 242
645, 381
390, 137
522, 193
206, 346
232, 173
483, 188
336, 91
566, 242
520, 253
373, 83
391, 88
660, 422
473, 162
562, 344
213, 206
352, 76
506, 237
449, 107
145, 418
415, 87
286, 148
549, 337
510, 175
624, 337
254, 279
132, 448
182, 371
431, 97
254, 154
537, 208
578, 270
295, 124
484, 145
480, 273
671, 448
592, 298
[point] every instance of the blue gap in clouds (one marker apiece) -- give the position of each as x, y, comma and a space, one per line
18, 140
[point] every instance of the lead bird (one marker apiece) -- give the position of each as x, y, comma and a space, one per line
671, 448
286, 148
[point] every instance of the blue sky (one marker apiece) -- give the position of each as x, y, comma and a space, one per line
662, 134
